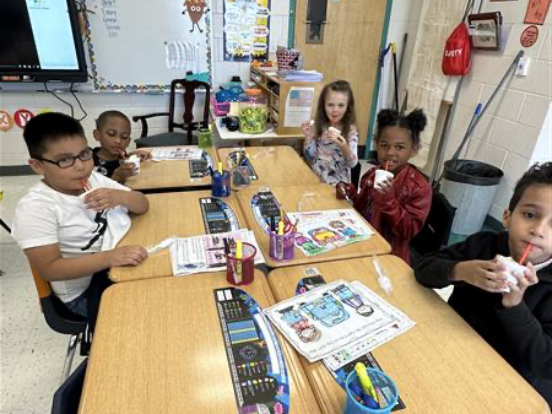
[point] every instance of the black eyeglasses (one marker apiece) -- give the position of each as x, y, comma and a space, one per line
68, 162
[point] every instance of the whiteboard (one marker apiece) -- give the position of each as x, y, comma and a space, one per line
141, 45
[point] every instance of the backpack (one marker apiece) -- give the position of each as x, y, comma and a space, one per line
457, 54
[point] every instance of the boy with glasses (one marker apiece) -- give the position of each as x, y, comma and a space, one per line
69, 223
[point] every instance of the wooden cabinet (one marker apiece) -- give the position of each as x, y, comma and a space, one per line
277, 91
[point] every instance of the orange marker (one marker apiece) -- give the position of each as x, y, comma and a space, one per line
525, 253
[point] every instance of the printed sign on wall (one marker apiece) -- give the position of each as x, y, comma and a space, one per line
536, 11
246, 30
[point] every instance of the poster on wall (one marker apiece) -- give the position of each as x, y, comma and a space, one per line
129, 57
246, 30
536, 11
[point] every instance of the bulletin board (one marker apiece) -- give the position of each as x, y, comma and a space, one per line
142, 45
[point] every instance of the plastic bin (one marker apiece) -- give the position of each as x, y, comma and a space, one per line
470, 187
220, 108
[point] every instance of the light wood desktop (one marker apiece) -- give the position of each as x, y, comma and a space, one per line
158, 348
440, 365
168, 175
314, 197
170, 214
279, 165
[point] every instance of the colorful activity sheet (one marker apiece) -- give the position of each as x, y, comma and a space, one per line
314, 279
255, 357
325, 230
334, 318
176, 153
207, 253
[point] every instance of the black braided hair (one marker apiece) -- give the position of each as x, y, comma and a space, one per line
415, 122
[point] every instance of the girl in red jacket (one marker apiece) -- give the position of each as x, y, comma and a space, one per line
398, 206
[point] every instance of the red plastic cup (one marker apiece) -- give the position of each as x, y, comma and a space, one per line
241, 271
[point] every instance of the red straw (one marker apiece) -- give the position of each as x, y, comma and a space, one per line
84, 185
387, 166
525, 253
122, 154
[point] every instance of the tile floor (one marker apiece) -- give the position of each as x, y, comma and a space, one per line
31, 353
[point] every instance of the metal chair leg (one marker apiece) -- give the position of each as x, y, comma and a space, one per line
71, 348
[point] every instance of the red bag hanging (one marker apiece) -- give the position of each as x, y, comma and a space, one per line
457, 55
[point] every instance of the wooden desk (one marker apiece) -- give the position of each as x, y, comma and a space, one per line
279, 165
440, 366
323, 198
170, 175
170, 214
158, 348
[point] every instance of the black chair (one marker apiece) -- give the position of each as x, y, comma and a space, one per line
436, 231
63, 321
67, 397
172, 138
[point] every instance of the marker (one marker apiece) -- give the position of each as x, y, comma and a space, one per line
239, 256
220, 168
272, 223
280, 228
525, 253
365, 382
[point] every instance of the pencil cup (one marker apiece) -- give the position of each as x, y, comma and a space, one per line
241, 271
240, 176
386, 391
220, 184
282, 247
204, 138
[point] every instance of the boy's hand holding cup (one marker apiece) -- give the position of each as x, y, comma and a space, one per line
134, 161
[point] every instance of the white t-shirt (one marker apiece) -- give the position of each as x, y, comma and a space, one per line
45, 216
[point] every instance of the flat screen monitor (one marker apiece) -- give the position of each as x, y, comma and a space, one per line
40, 41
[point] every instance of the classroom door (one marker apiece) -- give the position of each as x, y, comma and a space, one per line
350, 48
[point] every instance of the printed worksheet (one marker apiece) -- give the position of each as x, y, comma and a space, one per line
325, 230
335, 318
176, 153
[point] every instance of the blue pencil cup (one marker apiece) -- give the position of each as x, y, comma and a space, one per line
220, 184
387, 392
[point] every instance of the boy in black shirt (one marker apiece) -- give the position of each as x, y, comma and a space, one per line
517, 323
113, 133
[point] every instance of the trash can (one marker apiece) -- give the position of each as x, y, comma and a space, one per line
470, 186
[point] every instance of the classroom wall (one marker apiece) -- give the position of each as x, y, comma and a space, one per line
12, 147
512, 134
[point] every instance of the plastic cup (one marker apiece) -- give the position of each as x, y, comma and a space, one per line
220, 184
387, 392
204, 138
240, 176
511, 268
241, 271
282, 247
134, 159
382, 175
